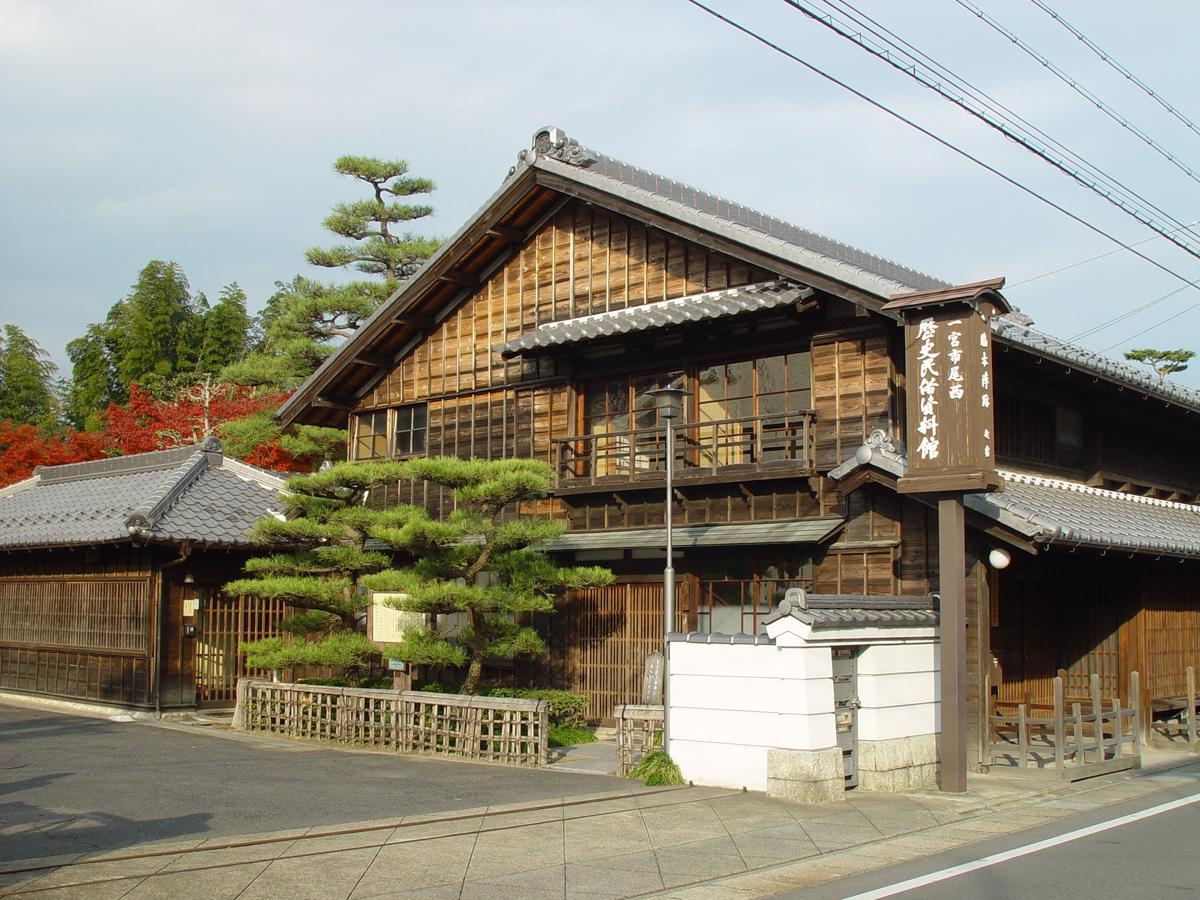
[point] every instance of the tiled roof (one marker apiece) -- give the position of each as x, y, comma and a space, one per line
188, 493
856, 610
696, 308
1016, 330
802, 531
1052, 511
554, 151
1055, 511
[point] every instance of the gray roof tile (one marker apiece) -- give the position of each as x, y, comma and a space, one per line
801, 531
190, 493
1016, 330
1053, 511
696, 308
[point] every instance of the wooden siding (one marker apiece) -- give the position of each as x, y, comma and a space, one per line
47, 647
853, 379
584, 261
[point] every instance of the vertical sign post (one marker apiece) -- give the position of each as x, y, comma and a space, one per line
950, 390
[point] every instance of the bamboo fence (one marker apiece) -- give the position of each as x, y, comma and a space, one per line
488, 729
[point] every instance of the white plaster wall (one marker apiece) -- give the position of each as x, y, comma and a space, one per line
899, 691
730, 703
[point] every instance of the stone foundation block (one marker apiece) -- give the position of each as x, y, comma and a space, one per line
806, 776
898, 764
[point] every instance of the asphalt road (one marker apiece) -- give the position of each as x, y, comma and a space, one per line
1157, 856
70, 784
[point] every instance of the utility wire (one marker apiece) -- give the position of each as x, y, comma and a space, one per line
912, 71
1125, 315
890, 38
1080, 89
1108, 59
1084, 262
1134, 337
766, 42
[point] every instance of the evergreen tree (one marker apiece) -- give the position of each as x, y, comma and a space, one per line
93, 385
226, 332
27, 389
476, 562
305, 319
157, 322
1163, 362
325, 532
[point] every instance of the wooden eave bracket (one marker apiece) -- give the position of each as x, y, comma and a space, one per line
376, 360
333, 403
507, 233
459, 277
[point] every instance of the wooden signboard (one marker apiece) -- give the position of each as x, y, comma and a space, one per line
951, 390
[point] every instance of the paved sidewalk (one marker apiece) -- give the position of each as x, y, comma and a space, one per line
693, 843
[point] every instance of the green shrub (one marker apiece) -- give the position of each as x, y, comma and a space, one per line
656, 768
569, 736
565, 708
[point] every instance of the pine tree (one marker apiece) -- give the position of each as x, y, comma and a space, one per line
1163, 362
322, 560
27, 390
476, 562
305, 319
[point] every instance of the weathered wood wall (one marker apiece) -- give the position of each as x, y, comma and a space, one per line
853, 391
78, 623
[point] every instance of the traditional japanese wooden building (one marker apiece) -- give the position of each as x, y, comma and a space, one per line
110, 577
542, 326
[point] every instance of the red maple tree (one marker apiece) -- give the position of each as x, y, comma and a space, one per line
25, 447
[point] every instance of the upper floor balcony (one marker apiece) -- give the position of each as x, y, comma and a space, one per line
715, 450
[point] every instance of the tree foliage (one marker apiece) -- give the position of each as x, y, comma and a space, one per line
1163, 362
25, 447
27, 392
304, 320
477, 562
320, 560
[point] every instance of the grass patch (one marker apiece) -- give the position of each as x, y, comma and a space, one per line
656, 768
569, 736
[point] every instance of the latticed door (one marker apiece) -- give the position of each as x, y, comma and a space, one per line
610, 631
224, 623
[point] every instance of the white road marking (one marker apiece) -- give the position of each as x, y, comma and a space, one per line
901, 887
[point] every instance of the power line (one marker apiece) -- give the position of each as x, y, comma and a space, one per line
1130, 313
1090, 259
1080, 89
912, 71
1108, 59
1133, 337
890, 38
766, 42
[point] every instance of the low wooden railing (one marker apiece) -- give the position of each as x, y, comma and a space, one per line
1080, 738
490, 729
750, 443
639, 731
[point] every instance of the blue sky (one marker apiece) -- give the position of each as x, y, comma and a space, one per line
204, 133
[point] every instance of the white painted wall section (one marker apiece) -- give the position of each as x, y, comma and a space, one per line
899, 691
730, 703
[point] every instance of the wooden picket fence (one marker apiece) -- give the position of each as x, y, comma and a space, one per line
1090, 738
639, 731
1183, 722
490, 729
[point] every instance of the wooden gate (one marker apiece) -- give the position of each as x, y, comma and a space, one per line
609, 631
224, 623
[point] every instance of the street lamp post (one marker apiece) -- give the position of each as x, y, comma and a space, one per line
669, 401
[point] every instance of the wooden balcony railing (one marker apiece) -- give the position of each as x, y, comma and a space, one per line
702, 450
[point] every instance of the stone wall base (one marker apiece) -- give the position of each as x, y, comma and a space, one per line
898, 764
806, 776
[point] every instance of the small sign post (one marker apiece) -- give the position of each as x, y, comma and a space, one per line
401, 677
950, 401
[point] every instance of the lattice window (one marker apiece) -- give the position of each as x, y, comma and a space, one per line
89, 614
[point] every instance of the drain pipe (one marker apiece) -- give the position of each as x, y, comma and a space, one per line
185, 552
